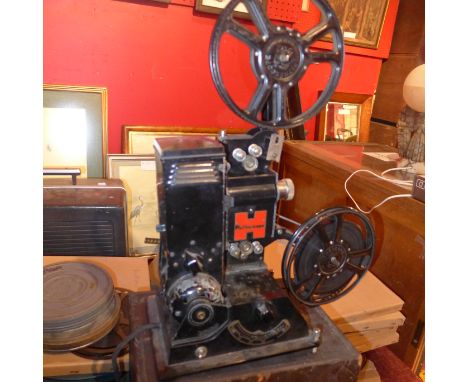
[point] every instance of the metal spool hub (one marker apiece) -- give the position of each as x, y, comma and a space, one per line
280, 56
328, 255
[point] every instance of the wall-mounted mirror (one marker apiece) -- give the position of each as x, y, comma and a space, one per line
345, 118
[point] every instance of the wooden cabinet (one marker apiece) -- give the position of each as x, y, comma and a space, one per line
319, 170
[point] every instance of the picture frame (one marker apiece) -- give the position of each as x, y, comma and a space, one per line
360, 104
361, 20
139, 139
75, 128
138, 174
217, 6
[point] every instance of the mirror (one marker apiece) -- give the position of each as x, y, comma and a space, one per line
345, 118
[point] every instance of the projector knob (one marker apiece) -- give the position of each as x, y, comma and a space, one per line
285, 189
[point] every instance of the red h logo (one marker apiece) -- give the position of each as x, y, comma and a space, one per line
244, 225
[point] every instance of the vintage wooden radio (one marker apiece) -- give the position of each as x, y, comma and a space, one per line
86, 217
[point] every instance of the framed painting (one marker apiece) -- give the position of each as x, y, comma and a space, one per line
75, 128
217, 6
361, 21
139, 139
138, 174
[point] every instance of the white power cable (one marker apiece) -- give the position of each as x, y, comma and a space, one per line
395, 181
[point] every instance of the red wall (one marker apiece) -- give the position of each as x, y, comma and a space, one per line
153, 59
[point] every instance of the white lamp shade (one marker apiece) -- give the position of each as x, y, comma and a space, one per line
413, 89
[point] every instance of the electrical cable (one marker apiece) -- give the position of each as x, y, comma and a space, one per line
288, 220
125, 342
394, 181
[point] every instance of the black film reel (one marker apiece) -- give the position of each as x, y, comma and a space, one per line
328, 255
280, 57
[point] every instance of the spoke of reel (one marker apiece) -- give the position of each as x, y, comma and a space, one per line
319, 57
297, 285
278, 100
312, 290
243, 34
359, 252
258, 100
355, 268
259, 17
317, 32
337, 228
323, 235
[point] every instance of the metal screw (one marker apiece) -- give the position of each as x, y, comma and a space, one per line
193, 242
201, 352
239, 154
250, 163
255, 150
257, 247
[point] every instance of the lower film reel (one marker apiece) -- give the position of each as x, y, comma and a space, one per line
328, 255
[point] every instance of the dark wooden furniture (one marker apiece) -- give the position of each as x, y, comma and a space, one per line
406, 53
319, 171
335, 361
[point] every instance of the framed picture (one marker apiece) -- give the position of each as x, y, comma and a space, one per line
345, 118
361, 21
138, 174
216, 6
75, 128
139, 139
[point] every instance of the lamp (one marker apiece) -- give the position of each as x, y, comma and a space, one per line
411, 123
413, 89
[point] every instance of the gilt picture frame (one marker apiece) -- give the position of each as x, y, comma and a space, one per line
361, 20
138, 174
74, 119
139, 139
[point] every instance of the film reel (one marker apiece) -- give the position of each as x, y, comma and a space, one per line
328, 255
280, 56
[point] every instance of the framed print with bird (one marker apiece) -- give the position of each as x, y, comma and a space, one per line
138, 175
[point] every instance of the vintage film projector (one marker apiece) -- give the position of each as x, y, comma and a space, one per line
218, 198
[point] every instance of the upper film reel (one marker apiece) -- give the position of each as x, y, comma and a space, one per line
328, 255
280, 56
